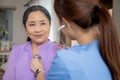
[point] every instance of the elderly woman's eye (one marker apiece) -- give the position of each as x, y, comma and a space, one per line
42, 23
31, 24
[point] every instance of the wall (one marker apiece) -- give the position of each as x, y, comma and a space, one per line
116, 13
19, 35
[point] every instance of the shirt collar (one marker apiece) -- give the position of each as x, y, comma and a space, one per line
28, 45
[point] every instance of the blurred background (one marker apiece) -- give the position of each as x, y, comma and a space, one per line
12, 30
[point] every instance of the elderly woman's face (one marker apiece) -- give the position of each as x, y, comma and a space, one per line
38, 27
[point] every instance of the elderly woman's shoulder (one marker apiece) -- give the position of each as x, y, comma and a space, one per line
59, 46
21, 45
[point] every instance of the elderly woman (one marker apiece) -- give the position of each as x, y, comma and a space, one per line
24, 60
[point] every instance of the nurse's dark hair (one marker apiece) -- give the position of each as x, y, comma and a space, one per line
32, 9
87, 13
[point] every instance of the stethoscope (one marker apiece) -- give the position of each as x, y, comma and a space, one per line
59, 29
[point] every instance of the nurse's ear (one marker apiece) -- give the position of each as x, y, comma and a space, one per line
65, 22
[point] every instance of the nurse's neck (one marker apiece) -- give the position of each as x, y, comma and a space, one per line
88, 36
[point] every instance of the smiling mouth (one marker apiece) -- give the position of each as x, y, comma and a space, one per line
38, 36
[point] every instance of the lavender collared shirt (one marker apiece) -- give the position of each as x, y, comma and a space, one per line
18, 67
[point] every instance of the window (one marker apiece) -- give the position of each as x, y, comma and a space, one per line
6, 24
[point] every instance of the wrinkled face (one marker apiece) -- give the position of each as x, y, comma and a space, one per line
38, 27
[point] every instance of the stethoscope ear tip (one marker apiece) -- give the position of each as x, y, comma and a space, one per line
61, 27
